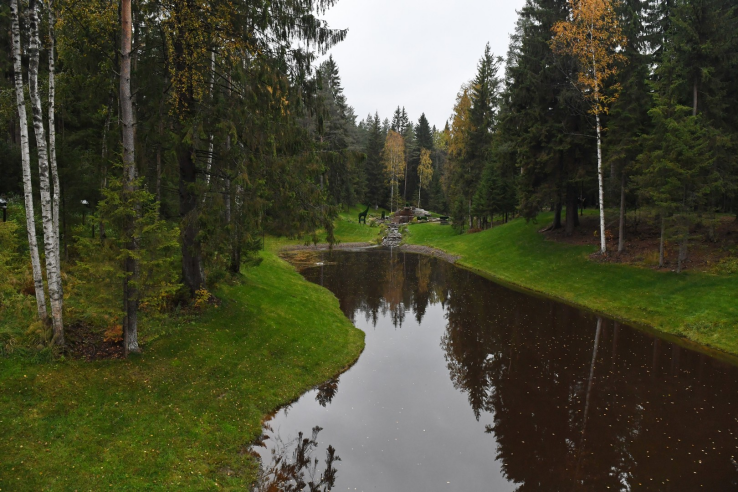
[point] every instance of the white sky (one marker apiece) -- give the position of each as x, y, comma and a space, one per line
415, 53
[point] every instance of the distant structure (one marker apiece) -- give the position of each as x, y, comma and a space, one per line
362, 215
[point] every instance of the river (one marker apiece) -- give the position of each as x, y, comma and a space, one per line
466, 385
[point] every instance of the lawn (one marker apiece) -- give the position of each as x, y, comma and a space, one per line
182, 415
698, 306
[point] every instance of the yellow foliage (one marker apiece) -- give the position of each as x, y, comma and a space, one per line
114, 334
593, 36
202, 298
393, 157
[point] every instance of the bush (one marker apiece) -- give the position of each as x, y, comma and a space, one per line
727, 266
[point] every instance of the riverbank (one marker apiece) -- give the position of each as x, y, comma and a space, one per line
699, 307
182, 415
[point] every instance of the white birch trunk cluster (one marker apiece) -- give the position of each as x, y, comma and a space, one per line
47, 167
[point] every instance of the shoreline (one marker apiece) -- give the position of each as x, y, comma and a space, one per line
717, 339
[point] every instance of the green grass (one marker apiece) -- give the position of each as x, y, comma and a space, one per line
697, 306
348, 229
182, 415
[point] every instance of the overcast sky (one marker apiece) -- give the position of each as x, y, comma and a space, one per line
415, 53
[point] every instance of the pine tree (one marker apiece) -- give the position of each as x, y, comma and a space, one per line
542, 124
628, 117
376, 189
484, 97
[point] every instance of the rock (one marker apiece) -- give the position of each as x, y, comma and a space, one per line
393, 237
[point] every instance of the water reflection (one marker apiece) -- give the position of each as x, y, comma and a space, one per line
292, 467
571, 401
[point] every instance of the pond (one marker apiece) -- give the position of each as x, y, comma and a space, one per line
466, 385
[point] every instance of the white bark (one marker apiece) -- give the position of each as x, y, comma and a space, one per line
603, 243
50, 239
210, 138
52, 127
38, 280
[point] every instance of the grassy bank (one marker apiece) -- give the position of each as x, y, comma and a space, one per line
181, 416
698, 306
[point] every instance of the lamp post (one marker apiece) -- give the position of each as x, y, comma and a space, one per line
4, 206
86, 206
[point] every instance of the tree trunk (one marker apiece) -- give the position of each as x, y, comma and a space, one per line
47, 215
471, 219
209, 164
683, 244
104, 160
52, 130
621, 226
38, 280
603, 243
661, 242
557, 213
572, 219
193, 274
235, 262
130, 281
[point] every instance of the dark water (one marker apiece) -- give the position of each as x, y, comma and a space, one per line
468, 386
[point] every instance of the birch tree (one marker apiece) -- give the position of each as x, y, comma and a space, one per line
52, 128
130, 279
592, 35
393, 157
425, 171
50, 239
38, 281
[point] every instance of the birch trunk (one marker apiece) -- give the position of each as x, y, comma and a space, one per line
52, 129
603, 243
130, 288
209, 165
50, 239
38, 280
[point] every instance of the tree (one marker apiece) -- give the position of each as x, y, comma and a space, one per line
376, 191
678, 172
628, 116
540, 146
393, 157
53, 273
458, 149
38, 281
592, 37
425, 170
130, 185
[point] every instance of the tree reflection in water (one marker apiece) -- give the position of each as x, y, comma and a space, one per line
327, 391
293, 469
578, 402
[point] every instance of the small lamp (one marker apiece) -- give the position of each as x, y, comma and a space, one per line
4, 206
